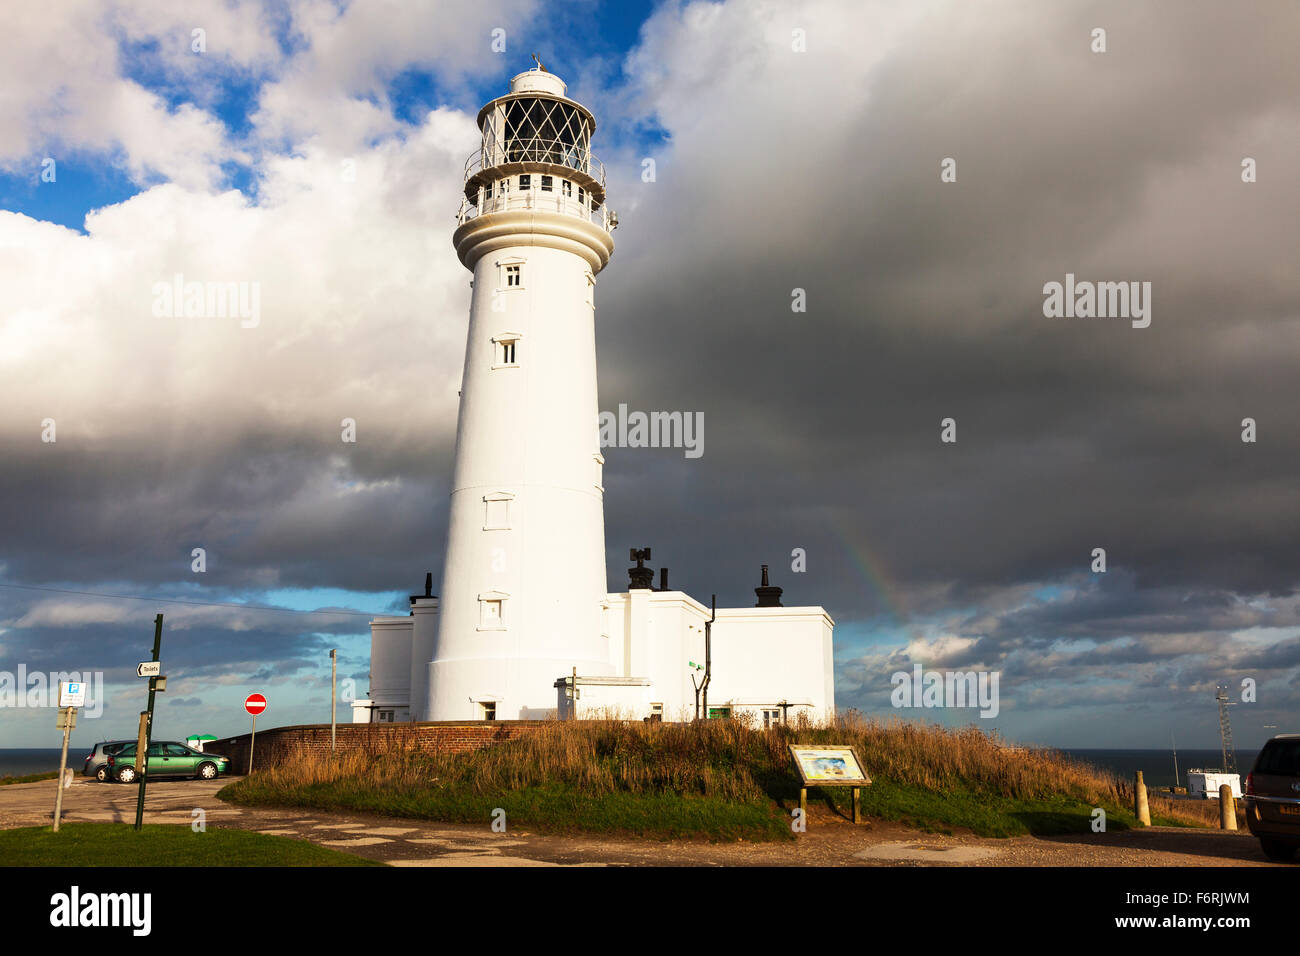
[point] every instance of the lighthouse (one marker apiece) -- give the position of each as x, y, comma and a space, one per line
523, 627
523, 583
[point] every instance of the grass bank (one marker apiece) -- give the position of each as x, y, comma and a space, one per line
30, 778
723, 780
160, 844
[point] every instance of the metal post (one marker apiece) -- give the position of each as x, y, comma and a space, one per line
334, 696
251, 744
708, 654
63, 765
142, 754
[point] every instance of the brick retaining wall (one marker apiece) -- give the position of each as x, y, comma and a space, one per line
276, 744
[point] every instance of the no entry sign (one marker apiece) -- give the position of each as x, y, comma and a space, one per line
255, 704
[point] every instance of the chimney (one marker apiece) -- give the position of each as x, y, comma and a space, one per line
428, 589
663, 579
768, 596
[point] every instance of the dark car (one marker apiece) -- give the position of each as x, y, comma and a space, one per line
97, 759
167, 758
1272, 797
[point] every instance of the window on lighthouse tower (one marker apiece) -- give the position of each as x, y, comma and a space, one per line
504, 350
492, 610
510, 274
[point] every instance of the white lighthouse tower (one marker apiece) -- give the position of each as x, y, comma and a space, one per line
523, 626
524, 578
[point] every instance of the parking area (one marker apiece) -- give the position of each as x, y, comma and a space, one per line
89, 801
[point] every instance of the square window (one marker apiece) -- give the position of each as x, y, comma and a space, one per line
487, 191
492, 610
514, 276
496, 516
582, 195
525, 181
547, 182
771, 717
488, 709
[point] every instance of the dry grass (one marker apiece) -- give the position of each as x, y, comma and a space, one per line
952, 777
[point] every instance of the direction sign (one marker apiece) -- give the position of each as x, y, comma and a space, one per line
72, 693
148, 669
255, 704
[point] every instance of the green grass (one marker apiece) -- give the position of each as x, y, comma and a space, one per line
985, 814
117, 844
544, 809
30, 778
721, 780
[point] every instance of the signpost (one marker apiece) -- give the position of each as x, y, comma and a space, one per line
150, 669
254, 704
72, 694
829, 767
572, 693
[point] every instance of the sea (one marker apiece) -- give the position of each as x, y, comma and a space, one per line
1157, 766
24, 761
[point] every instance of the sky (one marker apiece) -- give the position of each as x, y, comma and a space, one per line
317, 149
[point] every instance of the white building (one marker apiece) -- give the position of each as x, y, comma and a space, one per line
523, 606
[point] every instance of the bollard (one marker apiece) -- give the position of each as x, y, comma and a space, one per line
1140, 808
1227, 808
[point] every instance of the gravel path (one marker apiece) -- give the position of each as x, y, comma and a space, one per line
830, 840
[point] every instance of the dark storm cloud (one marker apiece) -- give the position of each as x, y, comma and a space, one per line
925, 302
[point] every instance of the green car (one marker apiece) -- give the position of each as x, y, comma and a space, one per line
166, 759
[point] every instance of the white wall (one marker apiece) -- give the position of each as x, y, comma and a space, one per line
530, 432
390, 662
760, 655
424, 611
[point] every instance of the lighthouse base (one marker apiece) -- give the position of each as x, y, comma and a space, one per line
501, 688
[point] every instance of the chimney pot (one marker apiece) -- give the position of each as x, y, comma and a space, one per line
768, 596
